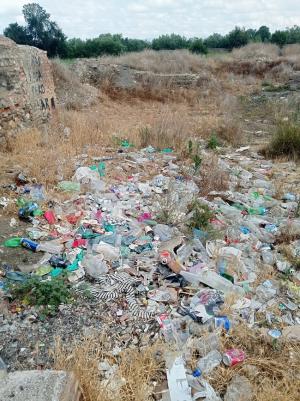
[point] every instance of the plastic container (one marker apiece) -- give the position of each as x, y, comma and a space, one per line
213, 280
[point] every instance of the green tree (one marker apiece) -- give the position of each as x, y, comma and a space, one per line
170, 42
280, 38
39, 31
135, 45
17, 33
264, 33
251, 34
294, 34
197, 46
214, 41
237, 38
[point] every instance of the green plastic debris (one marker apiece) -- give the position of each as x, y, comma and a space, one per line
38, 212
167, 150
261, 211
101, 169
126, 144
125, 251
150, 222
94, 168
56, 272
73, 266
21, 202
43, 270
80, 255
13, 242
69, 186
255, 195
109, 228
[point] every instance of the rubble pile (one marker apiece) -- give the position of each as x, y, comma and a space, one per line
137, 252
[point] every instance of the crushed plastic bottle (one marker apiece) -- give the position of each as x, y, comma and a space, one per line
210, 361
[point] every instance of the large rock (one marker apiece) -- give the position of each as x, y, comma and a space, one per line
36, 385
27, 94
239, 389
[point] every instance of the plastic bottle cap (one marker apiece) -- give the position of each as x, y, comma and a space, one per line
197, 373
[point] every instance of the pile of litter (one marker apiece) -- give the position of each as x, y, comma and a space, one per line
137, 236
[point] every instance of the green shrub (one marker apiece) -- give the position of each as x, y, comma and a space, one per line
213, 142
286, 141
197, 46
46, 294
201, 215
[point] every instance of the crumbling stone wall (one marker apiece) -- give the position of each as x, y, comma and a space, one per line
95, 73
27, 94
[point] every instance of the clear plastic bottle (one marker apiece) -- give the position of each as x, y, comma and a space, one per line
213, 280
50, 247
210, 361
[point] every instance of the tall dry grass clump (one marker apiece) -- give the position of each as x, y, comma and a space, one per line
130, 376
170, 129
212, 176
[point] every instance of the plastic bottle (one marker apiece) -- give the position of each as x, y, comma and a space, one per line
213, 280
210, 361
50, 247
268, 257
37, 192
13, 242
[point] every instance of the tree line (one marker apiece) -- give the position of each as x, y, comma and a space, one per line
45, 34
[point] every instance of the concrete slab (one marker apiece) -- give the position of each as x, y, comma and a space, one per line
37, 385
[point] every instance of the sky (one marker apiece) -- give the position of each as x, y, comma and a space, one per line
146, 19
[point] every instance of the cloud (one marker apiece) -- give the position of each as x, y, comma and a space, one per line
149, 18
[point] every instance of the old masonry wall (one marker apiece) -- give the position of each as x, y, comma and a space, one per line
27, 95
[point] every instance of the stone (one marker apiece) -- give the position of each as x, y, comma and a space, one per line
292, 333
239, 389
46, 385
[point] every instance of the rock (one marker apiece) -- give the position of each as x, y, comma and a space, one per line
292, 333
239, 389
39, 385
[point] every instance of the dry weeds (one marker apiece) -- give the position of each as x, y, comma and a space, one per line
212, 176
272, 368
256, 50
165, 61
133, 379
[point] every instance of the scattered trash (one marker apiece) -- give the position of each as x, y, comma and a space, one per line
189, 279
233, 356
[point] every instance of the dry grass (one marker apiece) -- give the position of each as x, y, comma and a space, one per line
164, 61
272, 368
212, 177
169, 130
134, 377
256, 50
291, 50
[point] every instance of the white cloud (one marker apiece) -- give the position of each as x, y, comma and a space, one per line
149, 18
